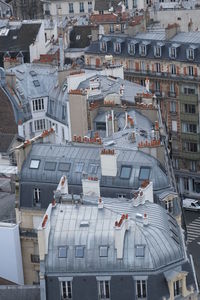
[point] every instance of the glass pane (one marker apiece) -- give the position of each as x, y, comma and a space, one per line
50, 166
79, 167
140, 251
107, 289
64, 167
103, 251
125, 172
62, 252
144, 173
144, 288
92, 169
34, 164
79, 251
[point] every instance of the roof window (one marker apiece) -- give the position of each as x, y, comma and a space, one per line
34, 164
190, 54
79, 251
117, 47
62, 252
139, 250
103, 46
144, 173
36, 83
103, 251
125, 172
157, 51
131, 48
33, 73
65, 167
92, 169
50, 166
79, 167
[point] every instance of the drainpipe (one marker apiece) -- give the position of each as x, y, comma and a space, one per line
113, 128
106, 125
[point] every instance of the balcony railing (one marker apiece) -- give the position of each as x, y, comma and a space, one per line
162, 75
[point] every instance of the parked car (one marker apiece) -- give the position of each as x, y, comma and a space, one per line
191, 204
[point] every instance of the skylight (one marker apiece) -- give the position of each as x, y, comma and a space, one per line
79, 251
36, 83
65, 167
33, 73
62, 252
34, 164
139, 250
144, 173
103, 251
50, 166
125, 172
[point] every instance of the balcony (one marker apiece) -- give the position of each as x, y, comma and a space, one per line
162, 75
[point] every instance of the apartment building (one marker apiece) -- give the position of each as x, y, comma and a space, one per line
102, 248
27, 10
168, 61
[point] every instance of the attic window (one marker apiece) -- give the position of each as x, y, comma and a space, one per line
78, 37
92, 169
36, 83
117, 47
14, 37
139, 250
103, 46
34, 164
65, 167
79, 251
103, 251
157, 51
143, 50
190, 54
131, 48
33, 73
79, 167
144, 173
172, 52
50, 166
62, 252
125, 172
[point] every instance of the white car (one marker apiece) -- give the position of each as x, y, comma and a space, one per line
191, 204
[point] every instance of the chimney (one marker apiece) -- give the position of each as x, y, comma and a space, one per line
171, 30
91, 186
120, 230
108, 162
100, 204
145, 193
63, 185
145, 220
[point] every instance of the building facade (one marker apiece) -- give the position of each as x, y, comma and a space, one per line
27, 10
168, 61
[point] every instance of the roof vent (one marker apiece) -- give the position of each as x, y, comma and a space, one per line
84, 223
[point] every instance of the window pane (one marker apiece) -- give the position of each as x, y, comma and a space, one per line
64, 167
93, 169
62, 252
50, 166
125, 172
139, 251
144, 288
107, 289
79, 251
34, 164
144, 173
103, 251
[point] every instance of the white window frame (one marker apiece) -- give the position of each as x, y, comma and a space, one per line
40, 124
157, 51
190, 54
102, 289
169, 205
66, 289
173, 69
36, 196
81, 7
139, 289
172, 52
117, 47
103, 46
131, 48
190, 70
38, 104
143, 50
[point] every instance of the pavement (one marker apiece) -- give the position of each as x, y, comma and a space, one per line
192, 219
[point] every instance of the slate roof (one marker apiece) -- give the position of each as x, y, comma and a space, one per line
19, 39
162, 239
79, 36
184, 40
105, 4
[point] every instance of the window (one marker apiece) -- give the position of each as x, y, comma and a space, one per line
34, 164
38, 104
174, 126
175, 163
190, 71
173, 69
141, 289
131, 49
39, 124
65, 167
169, 205
63, 134
139, 250
35, 258
79, 251
157, 65
177, 287
172, 87
50, 166
63, 112
142, 66
117, 47
62, 252
66, 289
190, 108
81, 4
103, 46
157, 83
36, 83
52, 106
125, 172
71, 8
190, 147
103, 251
90, 6
36, 196
92, 169
143, 50
190, 128
190, 54
111, 27
30, 128
79, 167
144, 173
189, 91
193, 166
157, 51
172, 52
104, 289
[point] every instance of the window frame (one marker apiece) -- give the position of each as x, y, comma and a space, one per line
90, 171
143, 167
36, 197
64, 163
177, 287
77, 168
38, 165
105, 249
50, 168
141, 292
137, 248
121, 170
66, 289
77, 248
62, 248
104, 289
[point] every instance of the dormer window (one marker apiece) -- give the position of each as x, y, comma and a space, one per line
157, 51
190, 54
131, 47
103, 46
117, 47
143, 50
172, 52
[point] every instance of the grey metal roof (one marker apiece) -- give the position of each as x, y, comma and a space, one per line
110, 85
187, 37
89, 154
158, 36
161, 249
